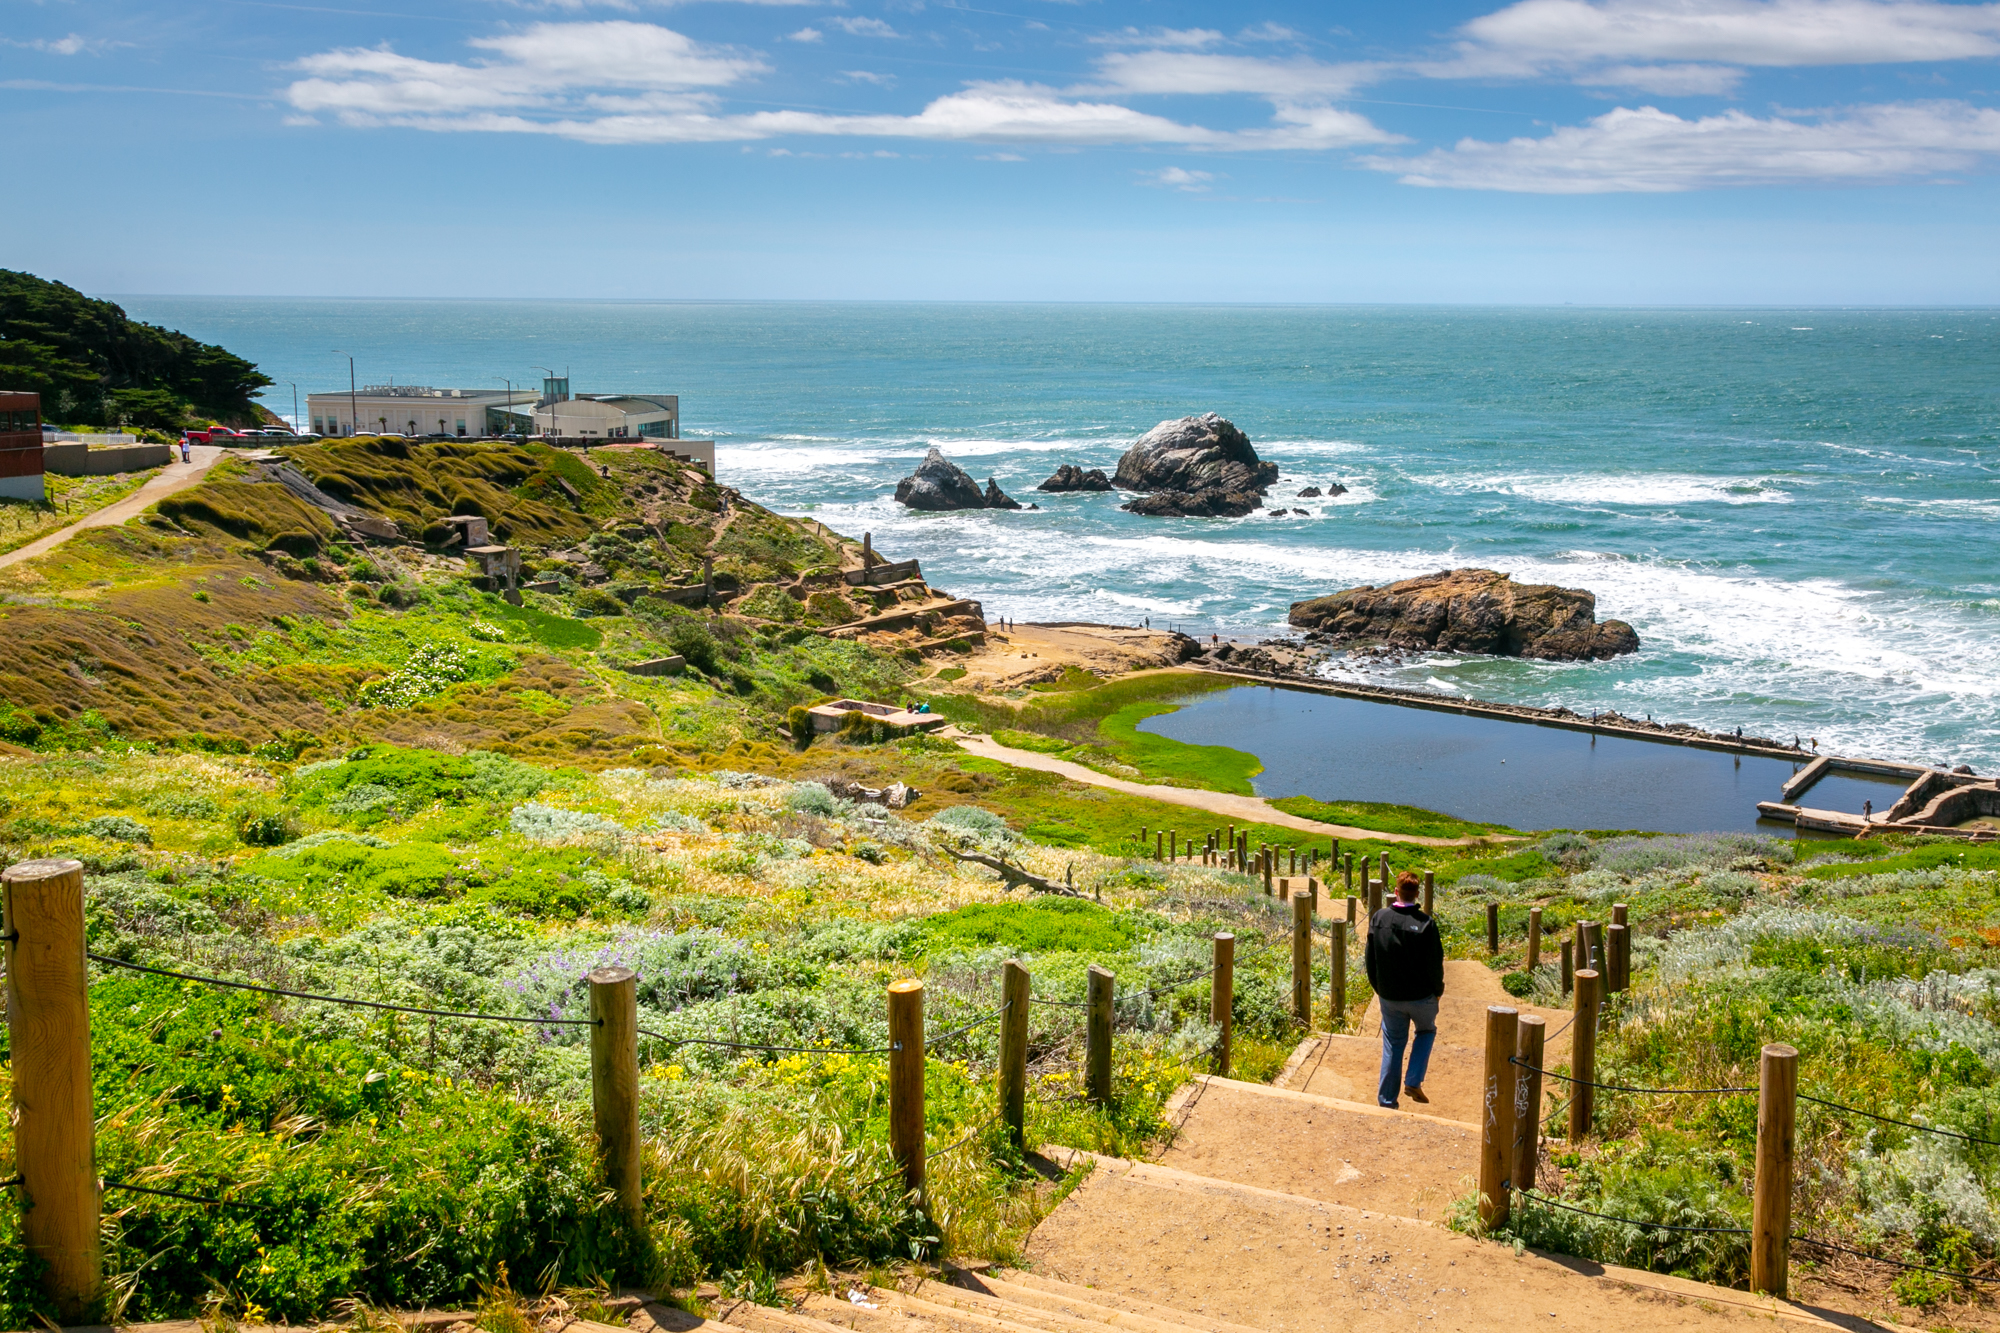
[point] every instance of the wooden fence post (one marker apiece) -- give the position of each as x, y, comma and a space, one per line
1496, 1136
1267, 858
1534, 938
1097, 1035
48, 1028
1222, 998
1430, 886
1568, 967
1349, 872
1771, 1203
1159, 846
614, 1083
1593, 951
906, 1081
1583, 1056
1493, 927
1375, 888
1528, 1101
1014, 1051
1617, 948
1302, 960
1338, 976
1353, 908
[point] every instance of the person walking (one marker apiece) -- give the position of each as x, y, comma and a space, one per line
1405, 961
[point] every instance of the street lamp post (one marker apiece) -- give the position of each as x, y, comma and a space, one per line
510, 397
353, 414
295, 407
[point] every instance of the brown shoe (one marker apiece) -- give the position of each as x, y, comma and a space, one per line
1416, 1095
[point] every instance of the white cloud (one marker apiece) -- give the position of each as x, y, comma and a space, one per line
1740, 32
622, 82
1204, 73
863, 27
868, 76
1001, 157
543, 67
1666, 80
73, 45
1191, 38
1179, 178
1650, 151
1268, 32
807, 35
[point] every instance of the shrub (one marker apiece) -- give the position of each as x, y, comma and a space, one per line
1041, 925
813, 798
596, 602
549, 824
1572, 851
1714, 851
691, 639
265, 824
119, 828
799, 721
431, 670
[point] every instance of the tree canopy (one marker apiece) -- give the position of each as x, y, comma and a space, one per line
93, 365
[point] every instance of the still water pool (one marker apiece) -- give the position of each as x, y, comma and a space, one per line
1513, 773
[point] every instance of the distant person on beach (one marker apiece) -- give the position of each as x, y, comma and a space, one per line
1405, 960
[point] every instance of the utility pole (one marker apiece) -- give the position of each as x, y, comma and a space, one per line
508, 407
554, 430
353, 413
295, 407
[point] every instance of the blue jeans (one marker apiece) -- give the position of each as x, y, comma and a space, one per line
1397, 1015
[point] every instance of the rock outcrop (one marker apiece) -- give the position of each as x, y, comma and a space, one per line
1070, 477
1469, 611
939, 484
1196, 467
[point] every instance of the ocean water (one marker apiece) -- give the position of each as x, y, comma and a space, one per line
1797, 509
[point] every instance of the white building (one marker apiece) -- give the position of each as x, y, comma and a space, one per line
610, 417
418, 409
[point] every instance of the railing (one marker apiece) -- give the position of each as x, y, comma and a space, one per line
47, 976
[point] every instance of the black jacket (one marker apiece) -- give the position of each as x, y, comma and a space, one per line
1404, 955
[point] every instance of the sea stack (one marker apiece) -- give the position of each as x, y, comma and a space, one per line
1469, 611
1196, 467
1070, 477
940, 484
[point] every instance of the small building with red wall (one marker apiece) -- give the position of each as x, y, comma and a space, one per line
21, 446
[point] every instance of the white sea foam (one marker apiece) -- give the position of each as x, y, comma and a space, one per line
1629, 489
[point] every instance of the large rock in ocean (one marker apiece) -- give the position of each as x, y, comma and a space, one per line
1470, 611
1070, 477
939, 483
1195, 467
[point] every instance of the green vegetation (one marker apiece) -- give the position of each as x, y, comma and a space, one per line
1927, 855
1386, 818
93, 366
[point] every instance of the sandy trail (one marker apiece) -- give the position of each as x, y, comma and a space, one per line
1242, 809
174, 477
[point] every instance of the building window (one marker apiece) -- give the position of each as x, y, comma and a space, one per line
461, 426
654, 430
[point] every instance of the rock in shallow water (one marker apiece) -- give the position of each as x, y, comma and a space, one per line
1471, 611
1070, 477
997, 498
1195, 467
940, 484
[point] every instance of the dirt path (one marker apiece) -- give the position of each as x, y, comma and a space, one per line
173, 477
1243, 809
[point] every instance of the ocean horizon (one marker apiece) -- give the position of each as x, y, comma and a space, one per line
1794, 507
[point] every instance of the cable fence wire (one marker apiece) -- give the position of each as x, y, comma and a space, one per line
1621, 1087
341, 999
172, 1194
1632, 1221
821, 1050
1891, 1120
1897, 1263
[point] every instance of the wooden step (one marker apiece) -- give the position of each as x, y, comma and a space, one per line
1110, 1308
764, 1319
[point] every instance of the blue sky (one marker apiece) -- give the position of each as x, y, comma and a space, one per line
1600, 151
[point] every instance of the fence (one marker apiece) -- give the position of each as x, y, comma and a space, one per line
47, 976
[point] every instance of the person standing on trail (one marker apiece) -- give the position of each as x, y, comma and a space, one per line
1405, 960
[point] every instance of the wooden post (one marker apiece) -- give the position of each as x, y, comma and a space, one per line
1295, 860
1142, 839
1350, 875
1527, 1101
1593, 951
1337, 1012
614, 1083
1496, 1136
1771, 1203
48, 1028
906, 1081
1014, 1051
1387, 881
1493, 927
1430, 887
1097, 1036
1375, 888
1353, 908
1159, 846
1265, 858
1569, 967
1617, 948
1302, 960
1222, 998
1583, 1056
1534, 938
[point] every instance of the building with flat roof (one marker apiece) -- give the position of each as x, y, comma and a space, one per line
21, 446
611, 417
418, 409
